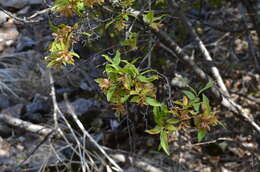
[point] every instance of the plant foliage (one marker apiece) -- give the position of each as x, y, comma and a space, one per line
124, 82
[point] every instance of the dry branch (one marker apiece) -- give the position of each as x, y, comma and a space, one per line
28, 126
175, 49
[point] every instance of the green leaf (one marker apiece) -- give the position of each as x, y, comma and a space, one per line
171, 128
157, 116
189, 94
156, 130
196, 106
74, 54
107, 58
149, 17
124, 99
148, 71
131, 41
201, 135
172, 121
205, 101
131, 70
208, 85
164, 142
147, 79
110, 92
152, 102
135, 99
116, 59
192, 89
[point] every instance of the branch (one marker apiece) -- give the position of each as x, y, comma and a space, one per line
214, 70
227, 102
26, 19
28, 126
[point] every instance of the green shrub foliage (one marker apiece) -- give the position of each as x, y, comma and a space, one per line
124, 82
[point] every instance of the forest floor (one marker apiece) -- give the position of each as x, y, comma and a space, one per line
25, 94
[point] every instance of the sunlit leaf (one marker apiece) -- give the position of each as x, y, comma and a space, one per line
156, 130
116, 59
164, 142
201, 134
208, 85
147, 79
107, 58
152, 102
110, 92
148, 18
189, 94
173, 121
205, 101
171, 128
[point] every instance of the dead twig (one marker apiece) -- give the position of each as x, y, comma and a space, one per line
214, 70
91, 139
28, 126
226, 101
29, 19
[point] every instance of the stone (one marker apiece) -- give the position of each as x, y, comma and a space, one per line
8, 34
39, 105
18, 4
5, 130
14, 3
25, 43
35, 118
4, 102
14, 111
81, 106
3, 17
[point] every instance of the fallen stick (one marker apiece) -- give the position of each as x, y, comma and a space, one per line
28, 126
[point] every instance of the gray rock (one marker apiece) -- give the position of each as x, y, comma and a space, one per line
81, 106
33, 117
35, 2
14, 111
19, 3
5, 130
25, 43
39, 105
3, 17
4, 102
14, 3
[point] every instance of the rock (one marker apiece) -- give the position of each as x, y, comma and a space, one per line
3, 17
8, 34
81, 106
88, 84
87, 111
35, 2
4, 102
35, 111
18, 4
5, 130
61, 91
14, 111
25, 43
33, 117
39, 105
5, 153
14, 3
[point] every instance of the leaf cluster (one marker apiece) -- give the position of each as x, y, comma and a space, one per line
60, 47
124, 83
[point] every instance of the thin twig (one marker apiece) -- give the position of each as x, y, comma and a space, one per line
85, 132
26, 19
215, 72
